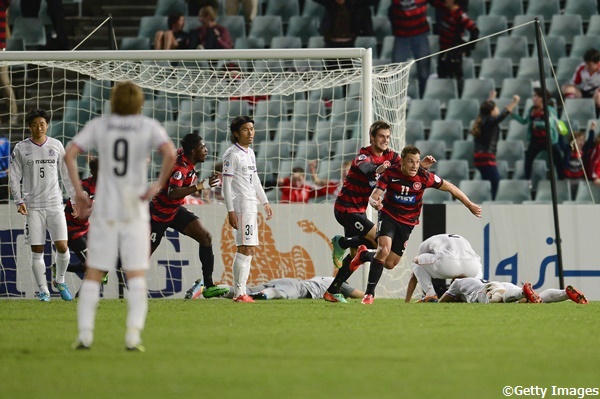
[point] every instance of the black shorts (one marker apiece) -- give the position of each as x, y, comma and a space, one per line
79, 247
182, 219
398, 232
355, 224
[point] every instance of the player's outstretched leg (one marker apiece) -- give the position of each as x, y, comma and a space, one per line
530, 294
338, 251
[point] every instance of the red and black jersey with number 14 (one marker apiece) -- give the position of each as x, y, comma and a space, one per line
79, 227
403, 197
183, 174
361, 180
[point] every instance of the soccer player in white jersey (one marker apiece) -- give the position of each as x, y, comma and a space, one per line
34, 168
442, 256
242, 192
120, 222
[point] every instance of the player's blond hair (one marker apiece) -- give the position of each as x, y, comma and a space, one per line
126, 98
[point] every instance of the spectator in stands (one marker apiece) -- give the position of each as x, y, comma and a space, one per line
486, 131
410, 28
454, 23
594, 163
586, 80
250, 8
194, 6
4, 73
175, 37
294, 188
31, 9
344, 20
576, 155
536, 132
210, 36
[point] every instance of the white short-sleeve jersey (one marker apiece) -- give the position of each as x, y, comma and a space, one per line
448, 246
34, 171
240, 164
124, 145
469, 290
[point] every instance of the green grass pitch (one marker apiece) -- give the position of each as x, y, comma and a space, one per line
299, 349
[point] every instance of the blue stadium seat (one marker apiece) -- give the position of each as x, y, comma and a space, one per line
235, 24
583, 8
545, 8
496, 69
543, 193
433, 196
510, 151
539, 171
513, 47
453, 170
164, 8
477, 89
567, 26
437, 148
522, 87
242, 43
506, 8
463, 149
513, 191
414, 131
286, 42
424, 110
283, 9
266, 27
584, 196
582, 43
448, 131
31, 30
302, 27
478, 191
462, 110
491, 25
441, 89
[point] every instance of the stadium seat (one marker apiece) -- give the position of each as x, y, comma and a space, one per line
441, 89
424, 110
176, 132
302, 27
414, 131
367, 42
310, 110
15, 44
491, 25
544, 192
265, 170
235, 24
150, 25
513, 47
316, 41
292, 131
433, 196
594, 26
266, 27
453, 170
382, 27
309, 149
557, 48
496, 69
326, 94
387, 48
31, 30
582, 43
96, 90
448, 131
481, 51
80, 111
476, 8
579, 110
468, 68
164, 8
346, 111
63, 131
437, 148
529, 68
513, 191
283, 9
583, 8
545, 8
510, 151
382, 8
275, 150
567, 26
478, 191
313, 9
462, 110
477, 89
191, 22
527, 31
286, 42
159, 109
583, 195
271, 112
522, 87
195, 112
330, 169
539, 171
566, 68
244, 43
506, 8
516, 130
463, 149
229, 109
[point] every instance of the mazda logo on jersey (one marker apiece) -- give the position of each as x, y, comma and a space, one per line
405, 199
38, 161
29, 163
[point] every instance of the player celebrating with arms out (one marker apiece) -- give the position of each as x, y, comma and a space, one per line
242, 192
166, 210
399, 212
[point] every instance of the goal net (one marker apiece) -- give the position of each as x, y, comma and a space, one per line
312, 109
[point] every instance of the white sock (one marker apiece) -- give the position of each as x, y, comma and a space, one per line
553, 295
39, 271
137, 306
62, 262
239, 282
513, 295
89, 295
272, 293
424, 280
246, 272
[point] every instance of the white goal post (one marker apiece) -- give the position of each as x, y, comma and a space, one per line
320, 94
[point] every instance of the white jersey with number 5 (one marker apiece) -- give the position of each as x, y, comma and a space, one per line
34, 172
124, 144
240, 163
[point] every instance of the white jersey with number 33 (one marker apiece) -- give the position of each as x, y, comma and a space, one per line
240, 163
124, 144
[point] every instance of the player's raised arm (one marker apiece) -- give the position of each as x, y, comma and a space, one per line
83, 203
462, 197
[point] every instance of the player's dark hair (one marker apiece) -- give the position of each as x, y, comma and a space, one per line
485, 110
538, 92
37, 113
173, 19
591, 55
236, 124
409, 149
189, 142
93, 164
377, 126
298, 169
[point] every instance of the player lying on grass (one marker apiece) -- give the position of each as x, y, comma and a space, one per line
474, 290
291, 288
443, 256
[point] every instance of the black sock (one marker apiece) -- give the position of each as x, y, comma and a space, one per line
207, 258
367, 256
374, 276
350, 242
342, 275
367, 243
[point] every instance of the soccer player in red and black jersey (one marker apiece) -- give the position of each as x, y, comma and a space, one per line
166, 211
351, 203
399, 212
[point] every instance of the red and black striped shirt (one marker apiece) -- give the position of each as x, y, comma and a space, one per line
408, 17
163, 208
454, 23
403, 197
79, 227
361, 179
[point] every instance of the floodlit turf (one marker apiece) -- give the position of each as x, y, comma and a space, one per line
299, 349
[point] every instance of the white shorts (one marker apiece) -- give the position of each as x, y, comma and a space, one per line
109, 239
37, 221
247, 234
449, 268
